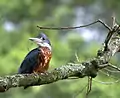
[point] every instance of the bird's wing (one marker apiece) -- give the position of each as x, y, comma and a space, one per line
30, 62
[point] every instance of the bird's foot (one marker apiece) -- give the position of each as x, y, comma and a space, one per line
35, 73
44, 73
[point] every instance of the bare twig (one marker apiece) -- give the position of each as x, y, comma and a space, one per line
104, 24
75, 27
89, 86
109, 65
79, 91
113, 22
115, 67
112, 71
109, 75
103, 66
104, 73
77, 57
107, 83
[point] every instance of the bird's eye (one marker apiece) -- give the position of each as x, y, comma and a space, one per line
43, 38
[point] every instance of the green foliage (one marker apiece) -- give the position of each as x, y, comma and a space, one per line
14, 45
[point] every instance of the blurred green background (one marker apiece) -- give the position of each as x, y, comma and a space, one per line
18, 21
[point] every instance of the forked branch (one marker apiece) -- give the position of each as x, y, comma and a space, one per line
87, 68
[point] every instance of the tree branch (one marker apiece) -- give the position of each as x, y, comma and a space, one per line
76, 27
87, 68
64, 72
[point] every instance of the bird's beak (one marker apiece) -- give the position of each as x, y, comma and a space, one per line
36, 40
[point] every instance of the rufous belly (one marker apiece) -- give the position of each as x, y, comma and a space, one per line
43, 61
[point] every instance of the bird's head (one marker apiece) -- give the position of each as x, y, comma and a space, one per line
42, 41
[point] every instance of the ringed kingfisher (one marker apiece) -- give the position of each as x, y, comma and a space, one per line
37, 60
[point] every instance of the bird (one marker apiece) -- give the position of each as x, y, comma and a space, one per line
37, 60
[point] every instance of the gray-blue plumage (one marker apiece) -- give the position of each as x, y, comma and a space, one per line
30, 62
